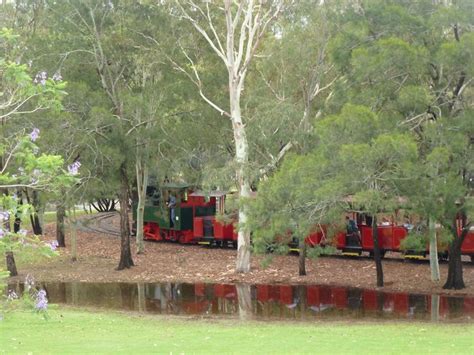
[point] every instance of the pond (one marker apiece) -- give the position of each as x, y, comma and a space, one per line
265, 302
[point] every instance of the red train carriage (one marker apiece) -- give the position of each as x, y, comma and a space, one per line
390, 237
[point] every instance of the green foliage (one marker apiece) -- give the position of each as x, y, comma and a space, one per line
413, 99
417, 240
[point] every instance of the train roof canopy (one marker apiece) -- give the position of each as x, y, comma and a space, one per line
175, 185
209, 193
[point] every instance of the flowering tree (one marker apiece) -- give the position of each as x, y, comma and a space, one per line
21, 164
20, 93
25, 167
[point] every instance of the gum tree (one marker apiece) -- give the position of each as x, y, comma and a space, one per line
234, 32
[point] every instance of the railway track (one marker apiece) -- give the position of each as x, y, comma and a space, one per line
97, 223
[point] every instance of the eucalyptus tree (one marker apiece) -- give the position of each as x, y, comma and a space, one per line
234, 32
291, 84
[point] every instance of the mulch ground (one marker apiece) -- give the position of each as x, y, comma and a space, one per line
98, 256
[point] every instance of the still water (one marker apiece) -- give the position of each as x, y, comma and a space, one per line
265, 302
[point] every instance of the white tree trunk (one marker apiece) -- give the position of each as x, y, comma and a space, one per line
241, 158
142, 183
434, 264
246, 22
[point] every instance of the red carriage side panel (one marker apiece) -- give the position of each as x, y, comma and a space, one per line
367, 239
399, 233
198, 227
385, 237
224, 231
467, 247
341, 240
314, 239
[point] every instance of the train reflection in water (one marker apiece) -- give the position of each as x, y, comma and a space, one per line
290, 302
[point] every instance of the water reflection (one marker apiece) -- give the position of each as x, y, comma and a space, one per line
260, 301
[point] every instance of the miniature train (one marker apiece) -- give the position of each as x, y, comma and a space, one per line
190, 218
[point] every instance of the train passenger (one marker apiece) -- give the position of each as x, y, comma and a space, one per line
352, 232
408, 225
171, 204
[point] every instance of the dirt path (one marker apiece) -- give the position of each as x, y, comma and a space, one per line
167, 262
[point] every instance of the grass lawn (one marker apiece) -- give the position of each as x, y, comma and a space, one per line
50, 217
77, 331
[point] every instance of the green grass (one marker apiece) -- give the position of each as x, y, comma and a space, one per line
50, 217
75, 331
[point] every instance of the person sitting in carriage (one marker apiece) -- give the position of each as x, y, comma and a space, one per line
352, 233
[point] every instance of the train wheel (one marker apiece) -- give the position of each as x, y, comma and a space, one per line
444, 257
162, 235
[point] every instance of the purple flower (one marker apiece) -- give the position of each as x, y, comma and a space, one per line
57, 76
74, 168
22, 232
12, 295
4, 216
53, 245
34, 135
41, 78
2, 233
41, 301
